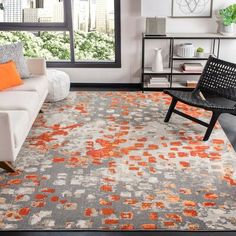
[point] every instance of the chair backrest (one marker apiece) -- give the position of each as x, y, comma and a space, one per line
218, 77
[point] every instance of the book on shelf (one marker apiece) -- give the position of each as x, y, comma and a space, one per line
191, 83
158, 82
159, 85
158, 78
191, 67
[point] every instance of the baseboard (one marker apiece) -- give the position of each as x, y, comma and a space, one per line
107, 86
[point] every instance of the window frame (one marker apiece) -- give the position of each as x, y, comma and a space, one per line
67, 25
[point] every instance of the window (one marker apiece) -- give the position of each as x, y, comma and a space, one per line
53, 46
32, 11
93, 26
69, 33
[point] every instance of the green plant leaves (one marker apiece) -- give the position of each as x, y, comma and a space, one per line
228, 15
91, 46
201, 50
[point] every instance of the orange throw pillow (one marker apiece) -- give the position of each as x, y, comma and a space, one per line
9, 76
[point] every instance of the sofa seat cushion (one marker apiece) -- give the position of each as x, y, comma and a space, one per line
20, 100
37, 84
20, 122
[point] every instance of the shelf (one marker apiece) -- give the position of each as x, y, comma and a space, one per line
190, 36
167, 71
178, 58
157, 87
148, 71
177, 71
174, 73
182, 85
157, 37
179, 85
199, 36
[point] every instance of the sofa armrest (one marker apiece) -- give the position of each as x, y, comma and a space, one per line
36, 66
6, 137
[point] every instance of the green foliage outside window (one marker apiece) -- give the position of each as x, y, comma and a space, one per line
92, 46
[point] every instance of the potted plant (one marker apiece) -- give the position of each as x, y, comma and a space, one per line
200, 52
228, 16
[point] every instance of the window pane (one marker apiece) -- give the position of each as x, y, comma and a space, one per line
53, 46
94, 27
31, 11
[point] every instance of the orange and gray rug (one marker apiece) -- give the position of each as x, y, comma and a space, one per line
107, 161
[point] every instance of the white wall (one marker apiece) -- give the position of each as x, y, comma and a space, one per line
132, 26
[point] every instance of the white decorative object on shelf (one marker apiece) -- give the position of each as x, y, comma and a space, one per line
158, 82
200, 54
228, 30
157, 65
227, 15
156, 12
59, 85
186, 50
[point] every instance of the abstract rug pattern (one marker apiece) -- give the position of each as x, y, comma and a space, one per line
107, 161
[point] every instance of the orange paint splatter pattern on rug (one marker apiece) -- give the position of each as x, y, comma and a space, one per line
107, 160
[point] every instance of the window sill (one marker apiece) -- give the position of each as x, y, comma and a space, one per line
84, 64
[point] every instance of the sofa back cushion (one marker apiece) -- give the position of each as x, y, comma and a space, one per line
15, 53
9, 76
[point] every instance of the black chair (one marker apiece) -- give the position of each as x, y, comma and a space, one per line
218, 79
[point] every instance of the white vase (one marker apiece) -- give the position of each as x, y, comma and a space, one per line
200, 54
157, 65
186, 50
228, 29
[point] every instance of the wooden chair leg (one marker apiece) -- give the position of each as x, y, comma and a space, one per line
6, 165
211, 126
171, 109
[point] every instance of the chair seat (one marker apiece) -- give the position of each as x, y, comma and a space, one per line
192, 99
218, 79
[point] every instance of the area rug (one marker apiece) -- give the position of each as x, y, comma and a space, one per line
107, 161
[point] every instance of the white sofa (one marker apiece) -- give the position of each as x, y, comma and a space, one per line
19, 107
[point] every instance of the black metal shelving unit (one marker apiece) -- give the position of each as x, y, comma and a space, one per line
171, 71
